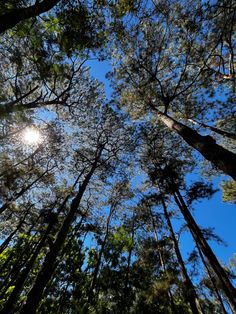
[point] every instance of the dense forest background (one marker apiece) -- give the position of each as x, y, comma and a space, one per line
101, 176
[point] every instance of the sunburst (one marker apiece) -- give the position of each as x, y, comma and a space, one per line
31, 136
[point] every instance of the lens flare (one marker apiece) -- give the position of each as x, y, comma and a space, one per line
31, 136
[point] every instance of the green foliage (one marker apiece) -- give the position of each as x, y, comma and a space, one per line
75, 30
98, 188
121, 240
229, 191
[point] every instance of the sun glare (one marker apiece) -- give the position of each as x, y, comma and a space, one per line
31, 136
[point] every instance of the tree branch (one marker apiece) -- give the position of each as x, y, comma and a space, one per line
13, 17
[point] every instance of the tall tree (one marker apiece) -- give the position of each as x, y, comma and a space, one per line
162, 68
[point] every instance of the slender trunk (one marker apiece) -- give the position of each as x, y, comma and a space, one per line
46, 272
62, 299
214, 129
13, 17
14, 273
217, 293
62, 304
127, 275
62, 257
190, 293
226, 285
12, 300
22, 191
97, 267
220, 157
157, 240
11, 255
162, 261
21, 162
9, 238
126, 297
11, 303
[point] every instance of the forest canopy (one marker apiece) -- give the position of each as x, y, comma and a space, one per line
100, 185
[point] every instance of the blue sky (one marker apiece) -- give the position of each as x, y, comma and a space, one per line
98, 70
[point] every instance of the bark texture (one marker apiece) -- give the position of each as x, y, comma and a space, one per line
220, 157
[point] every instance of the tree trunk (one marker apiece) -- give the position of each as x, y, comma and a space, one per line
46, 272
190, 293
14, 273
21, 162
162, 261
12, 300
127, 275
97, 267
9, 238
11, 255
13, 17
220, 157
22, 191
11, 303
226, 285
212, 281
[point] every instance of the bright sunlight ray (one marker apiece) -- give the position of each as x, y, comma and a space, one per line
31, 136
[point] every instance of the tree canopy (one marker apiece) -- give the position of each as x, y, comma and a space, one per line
98, 192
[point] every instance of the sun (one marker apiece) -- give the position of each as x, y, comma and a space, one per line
31, 136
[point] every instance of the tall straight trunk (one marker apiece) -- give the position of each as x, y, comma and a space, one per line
98, 264
162, 261
11, 255
47, 269
62, 256
215, 289
127, 275
226, 285
62, 305
214, 129
11, 303
220, 157
14, 16
14, 273
157, 240
12, 300
190, 292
